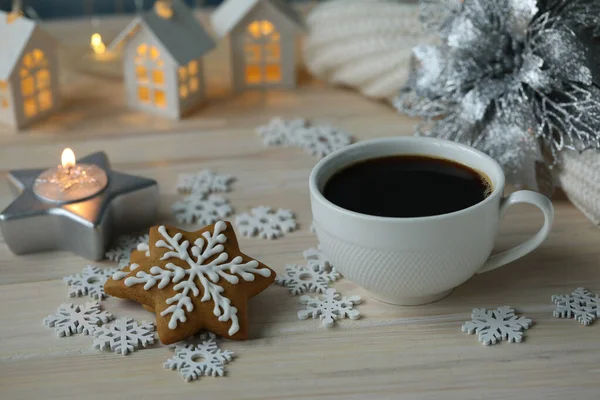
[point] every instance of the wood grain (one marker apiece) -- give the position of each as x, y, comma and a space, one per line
391, 353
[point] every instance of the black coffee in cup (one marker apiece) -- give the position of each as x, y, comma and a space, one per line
406, 187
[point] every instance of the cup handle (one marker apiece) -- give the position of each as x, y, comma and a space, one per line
529, 197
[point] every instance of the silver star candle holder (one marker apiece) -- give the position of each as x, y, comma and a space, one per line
78, 206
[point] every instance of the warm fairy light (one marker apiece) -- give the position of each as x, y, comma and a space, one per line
15, 13
97, 44
164, 9
67, 159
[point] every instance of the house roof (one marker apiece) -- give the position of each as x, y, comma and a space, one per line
16, 36
182, 35
230, 13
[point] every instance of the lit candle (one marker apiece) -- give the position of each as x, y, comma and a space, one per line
77, 206
70, 181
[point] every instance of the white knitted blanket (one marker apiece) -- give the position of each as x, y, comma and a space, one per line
580, 179
366, 45
363, 44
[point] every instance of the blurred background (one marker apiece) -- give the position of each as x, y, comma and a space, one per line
53, 9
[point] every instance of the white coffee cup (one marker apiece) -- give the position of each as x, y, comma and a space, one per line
412, 261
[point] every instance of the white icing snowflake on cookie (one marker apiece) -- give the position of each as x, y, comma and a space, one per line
89, 282
329, 308
322, 140
266, 222
83, 318
581, 305
492, 326
200, 271
279, 132
202, 209
304, 279
123, 272
204, 182
205, 359
124, 336
123, 246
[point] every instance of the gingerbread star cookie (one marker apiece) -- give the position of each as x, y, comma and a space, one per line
193, 281
136, 258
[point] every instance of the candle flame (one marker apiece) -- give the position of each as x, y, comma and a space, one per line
97, 44
68, 158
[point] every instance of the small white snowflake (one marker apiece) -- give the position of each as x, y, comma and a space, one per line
196, 339
204, 182
124, 336
316, 258
495, 325
194, 361
281, 132
582, 305
123, 247
266, 222
83, 318
202, 209
303, 279
204, 336
322, 140
89, 282
330, 308
143, 247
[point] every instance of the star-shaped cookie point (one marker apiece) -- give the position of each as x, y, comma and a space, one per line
194, 281
30, 224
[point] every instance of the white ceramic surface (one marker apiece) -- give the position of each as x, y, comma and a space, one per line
411, 261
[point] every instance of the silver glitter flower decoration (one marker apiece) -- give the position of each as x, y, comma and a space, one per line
518, 79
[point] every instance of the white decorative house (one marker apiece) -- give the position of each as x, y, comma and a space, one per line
28, 71
162, 52
264, 36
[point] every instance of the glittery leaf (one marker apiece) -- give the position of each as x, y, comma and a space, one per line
516, 78
438, 15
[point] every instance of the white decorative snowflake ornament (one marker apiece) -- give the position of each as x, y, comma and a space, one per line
123, 247
266, 222
317, 259
71, 319
323, 140
194, 361
204, 182
582, 305
202, 209
89, 282
496, 325
329, 308
303, 279
279, 132
124, 336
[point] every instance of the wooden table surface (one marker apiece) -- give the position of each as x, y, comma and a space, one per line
391, 352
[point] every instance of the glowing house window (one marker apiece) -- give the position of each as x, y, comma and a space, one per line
150, 76
189, 79
262, 50
35, 83
4, 103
